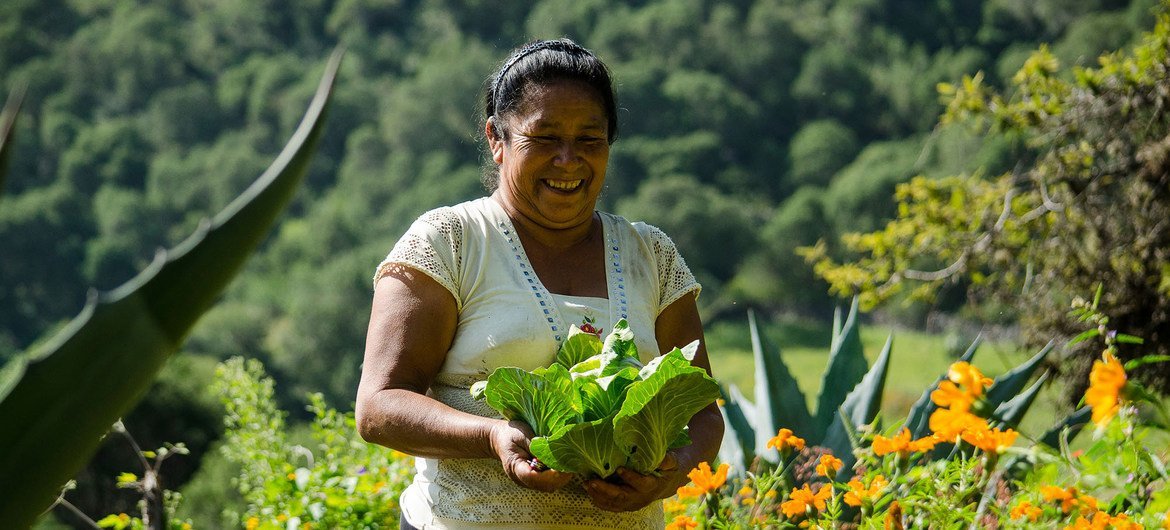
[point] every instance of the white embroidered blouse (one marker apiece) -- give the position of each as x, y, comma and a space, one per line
508, 318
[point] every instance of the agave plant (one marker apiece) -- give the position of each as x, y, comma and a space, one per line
851, 396
55, 409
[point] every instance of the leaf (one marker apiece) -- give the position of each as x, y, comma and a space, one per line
585, 448
847, 366
779, 401
1148, 359
657, 408
602, 397
1008, 385
55, 410
1011, 412
621, 341
1074, 422
577, 347
7, 126
919, 419
739, 435
544, 404
861, 407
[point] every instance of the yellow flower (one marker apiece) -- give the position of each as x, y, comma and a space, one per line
1105, 383
682, 522
858, 494
1166, 521
829, 466
252, 523
282, 518
1025, 509
801, 501
705, 481
672, 505
785, 440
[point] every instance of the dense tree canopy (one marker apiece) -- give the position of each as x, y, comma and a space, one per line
749, 129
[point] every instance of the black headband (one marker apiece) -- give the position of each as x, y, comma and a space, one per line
558, 45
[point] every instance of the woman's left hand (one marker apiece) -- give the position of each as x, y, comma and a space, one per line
636, 490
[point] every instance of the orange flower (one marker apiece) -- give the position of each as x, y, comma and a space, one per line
682, 522
252, 523
900, 443
893, 519
801, 501
829, 466
924, 444
949, 395
1069, 499
990, 440
705, 481
969, 377
1105, 383
785, 440
1102, 521
949, 424
858, 494
1025, 509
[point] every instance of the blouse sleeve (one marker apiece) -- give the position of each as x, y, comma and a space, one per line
674, 277
432, 246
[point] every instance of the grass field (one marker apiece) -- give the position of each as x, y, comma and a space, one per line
917, 360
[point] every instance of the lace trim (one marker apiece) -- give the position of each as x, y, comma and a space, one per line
674, 277
437, 254
477, 490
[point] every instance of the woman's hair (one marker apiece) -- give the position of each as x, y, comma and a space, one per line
541, 62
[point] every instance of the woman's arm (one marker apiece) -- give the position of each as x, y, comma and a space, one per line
412, 325
677, 326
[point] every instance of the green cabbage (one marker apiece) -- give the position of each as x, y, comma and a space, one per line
597, 408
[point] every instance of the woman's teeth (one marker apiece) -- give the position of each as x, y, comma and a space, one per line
564, 185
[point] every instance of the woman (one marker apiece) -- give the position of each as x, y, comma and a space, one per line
496, 282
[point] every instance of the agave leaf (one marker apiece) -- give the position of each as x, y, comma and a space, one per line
861, 407
1010, 412
847, 366
60, 398
7, 126
1008, 385
1074, 422
739, 434
919, 419
779, 402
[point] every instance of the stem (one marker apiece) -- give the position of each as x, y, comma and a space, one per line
61, 501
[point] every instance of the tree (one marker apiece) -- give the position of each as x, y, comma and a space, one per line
1086, 205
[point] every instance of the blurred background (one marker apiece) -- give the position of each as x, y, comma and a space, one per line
747, 129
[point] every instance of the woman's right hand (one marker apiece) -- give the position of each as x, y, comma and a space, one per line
510, 442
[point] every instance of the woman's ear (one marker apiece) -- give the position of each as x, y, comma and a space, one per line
495, 140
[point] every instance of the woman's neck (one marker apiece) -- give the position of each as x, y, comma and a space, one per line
552, 238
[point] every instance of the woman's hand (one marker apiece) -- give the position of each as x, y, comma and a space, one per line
510, 442
636, 490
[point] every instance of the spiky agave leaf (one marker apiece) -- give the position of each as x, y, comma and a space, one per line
58, 400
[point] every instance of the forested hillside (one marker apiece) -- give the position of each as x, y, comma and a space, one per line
748, 129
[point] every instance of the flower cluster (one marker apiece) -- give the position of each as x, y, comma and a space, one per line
902, 482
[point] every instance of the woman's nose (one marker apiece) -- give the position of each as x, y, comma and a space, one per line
567, 155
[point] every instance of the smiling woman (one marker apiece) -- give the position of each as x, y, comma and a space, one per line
497, 282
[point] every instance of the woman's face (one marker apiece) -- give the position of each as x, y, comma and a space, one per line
552, 164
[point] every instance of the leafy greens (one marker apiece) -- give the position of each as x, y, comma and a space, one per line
598, 408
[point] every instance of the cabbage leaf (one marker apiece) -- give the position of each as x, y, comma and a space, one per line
597, 408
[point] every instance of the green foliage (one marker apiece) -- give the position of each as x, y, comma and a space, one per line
1094, 187
339, 481
850, 397
597, 408
130, 332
